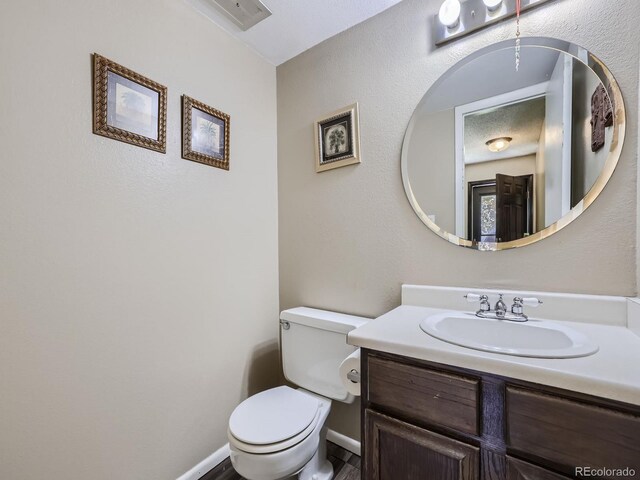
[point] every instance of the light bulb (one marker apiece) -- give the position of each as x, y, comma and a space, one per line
499, 144
449, 14
492, 4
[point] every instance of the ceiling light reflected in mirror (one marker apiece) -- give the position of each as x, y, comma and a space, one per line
498, 144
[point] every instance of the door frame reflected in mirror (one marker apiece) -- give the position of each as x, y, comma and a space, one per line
460, 113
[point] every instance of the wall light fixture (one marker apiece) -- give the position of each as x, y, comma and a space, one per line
449, 13
493, 5
459, 18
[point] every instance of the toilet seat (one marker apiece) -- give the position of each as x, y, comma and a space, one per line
273, 420
290, 456
274, 447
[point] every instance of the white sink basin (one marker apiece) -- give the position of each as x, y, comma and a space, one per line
535, 338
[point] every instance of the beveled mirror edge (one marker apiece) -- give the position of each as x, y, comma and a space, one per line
619, 132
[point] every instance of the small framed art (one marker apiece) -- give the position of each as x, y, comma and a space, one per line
338, 139
205, 134
128, 106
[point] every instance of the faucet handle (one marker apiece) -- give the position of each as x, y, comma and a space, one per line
517, 308
530, 301
472, 297
485, 306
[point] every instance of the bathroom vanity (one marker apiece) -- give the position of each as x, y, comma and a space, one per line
447, 395
433, 408
462, 424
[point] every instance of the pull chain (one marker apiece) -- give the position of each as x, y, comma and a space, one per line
517, 35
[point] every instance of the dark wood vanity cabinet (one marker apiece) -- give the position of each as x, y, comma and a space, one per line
426, 421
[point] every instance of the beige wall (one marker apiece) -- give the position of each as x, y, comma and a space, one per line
435, 187
349, 238
138, 291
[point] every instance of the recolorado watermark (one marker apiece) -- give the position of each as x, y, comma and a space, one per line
605, 472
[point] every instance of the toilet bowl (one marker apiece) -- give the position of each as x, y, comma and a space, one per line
281, 433
264, 449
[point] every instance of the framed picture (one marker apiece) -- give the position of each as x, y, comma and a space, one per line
338, 139
127, 106
205, 134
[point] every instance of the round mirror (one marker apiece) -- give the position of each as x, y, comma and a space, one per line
496, 157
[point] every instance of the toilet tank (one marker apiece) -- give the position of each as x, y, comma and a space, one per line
314, 344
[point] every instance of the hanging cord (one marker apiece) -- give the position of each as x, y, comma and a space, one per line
518, 35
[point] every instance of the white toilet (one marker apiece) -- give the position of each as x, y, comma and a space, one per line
281, 432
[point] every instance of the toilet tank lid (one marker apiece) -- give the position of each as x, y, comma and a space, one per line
323, 319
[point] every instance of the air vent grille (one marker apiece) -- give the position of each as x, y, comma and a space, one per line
244, 13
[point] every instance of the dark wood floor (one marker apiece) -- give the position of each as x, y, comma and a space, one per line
346, 466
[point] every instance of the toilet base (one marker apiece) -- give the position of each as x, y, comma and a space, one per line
318, 468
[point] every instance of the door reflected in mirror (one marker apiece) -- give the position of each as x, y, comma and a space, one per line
496, 157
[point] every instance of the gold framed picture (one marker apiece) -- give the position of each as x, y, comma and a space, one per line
205, 134
127, 106
338, 139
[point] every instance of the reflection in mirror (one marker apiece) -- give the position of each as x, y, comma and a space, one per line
494, 155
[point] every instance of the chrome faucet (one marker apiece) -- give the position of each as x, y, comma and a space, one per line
500, 310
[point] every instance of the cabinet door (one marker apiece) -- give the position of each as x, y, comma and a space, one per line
395, 450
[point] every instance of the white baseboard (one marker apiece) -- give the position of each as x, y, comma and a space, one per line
207, 464
217, 457
343, 441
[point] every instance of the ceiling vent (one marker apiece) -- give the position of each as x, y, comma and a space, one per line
244, 13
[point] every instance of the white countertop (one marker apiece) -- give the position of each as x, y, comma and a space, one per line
613, 372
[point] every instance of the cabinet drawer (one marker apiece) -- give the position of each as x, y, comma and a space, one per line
571, 433
425, 395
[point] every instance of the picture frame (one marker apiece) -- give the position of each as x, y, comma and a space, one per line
337, 137
127, 106
205, 134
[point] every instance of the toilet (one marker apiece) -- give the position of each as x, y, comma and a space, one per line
280, 433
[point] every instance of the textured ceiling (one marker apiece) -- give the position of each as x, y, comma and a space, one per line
521, 121
295, 25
